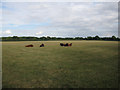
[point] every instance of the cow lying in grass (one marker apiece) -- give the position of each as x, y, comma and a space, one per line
61, 44
70, 44
42, 45
29, 45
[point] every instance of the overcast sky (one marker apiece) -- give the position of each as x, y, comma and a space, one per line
60, 19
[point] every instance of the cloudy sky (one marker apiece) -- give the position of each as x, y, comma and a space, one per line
60, 19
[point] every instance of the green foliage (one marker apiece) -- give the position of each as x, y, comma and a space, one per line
114, 38
97, 38
16, 38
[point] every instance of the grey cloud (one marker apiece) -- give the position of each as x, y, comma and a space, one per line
66, 19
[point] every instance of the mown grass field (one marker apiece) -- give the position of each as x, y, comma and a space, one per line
87, 64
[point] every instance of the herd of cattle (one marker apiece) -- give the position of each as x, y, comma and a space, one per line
67, 44
42, 45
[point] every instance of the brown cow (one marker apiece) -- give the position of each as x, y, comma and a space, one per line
29, 45
70, 44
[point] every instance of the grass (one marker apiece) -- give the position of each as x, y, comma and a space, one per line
87, 64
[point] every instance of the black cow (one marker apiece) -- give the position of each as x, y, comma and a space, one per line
42, 45
61, 44
66, 44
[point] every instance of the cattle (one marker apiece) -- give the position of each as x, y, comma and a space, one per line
70, 44
66, 44
42, 45
29, 45
61, 44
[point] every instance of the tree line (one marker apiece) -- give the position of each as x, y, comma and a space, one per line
43, 38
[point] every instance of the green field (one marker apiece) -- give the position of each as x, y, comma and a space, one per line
87, 64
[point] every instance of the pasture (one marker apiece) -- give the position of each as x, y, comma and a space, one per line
87, 64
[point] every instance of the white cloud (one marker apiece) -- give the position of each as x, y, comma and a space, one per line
0, 32
38, 33
7, 32
90, 18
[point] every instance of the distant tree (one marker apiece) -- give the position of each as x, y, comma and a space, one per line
53, 38
89, 38
43, 38
97, 38
114, 38
15, 36
78, 38
48, 37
